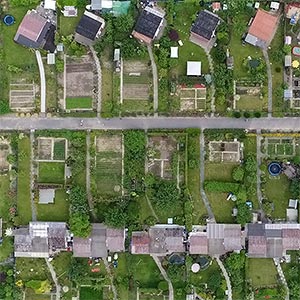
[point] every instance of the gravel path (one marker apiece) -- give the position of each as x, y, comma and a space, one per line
165, 276
54, 278
202, 178
99, 88
270, 84
228, 283
155, 80
42, 81
213, 88
282, 277
88, 174
111, 279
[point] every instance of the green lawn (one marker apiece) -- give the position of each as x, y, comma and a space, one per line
219, 171
138, 106
189, 51
88, 293
51, 172
249, 102
38, 266
222, 208
250, 145
16, 55
67, 25
61, 264
5, 200
58, 211
59, 150
277, 191
31, 295
79, 103
52, 87
108, 173
6, 248
262, 272
23, 187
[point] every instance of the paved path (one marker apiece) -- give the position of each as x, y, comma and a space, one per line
42, 79
17, 123
32, 172
111, 279
99, 88
88, 174
213, 88
270, 84
282, 277
259, 157
165, 276
54, 278
228, 283
202, 178
155, 79
121, 81
65, 81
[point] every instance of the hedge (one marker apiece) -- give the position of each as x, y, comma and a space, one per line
221, 187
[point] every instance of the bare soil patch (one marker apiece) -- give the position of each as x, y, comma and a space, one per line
22, 97
136, 91
220, 151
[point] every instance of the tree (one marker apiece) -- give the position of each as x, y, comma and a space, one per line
59, 65
123, 24
165, 194
238, 173
244, 214
80, 224
116, 215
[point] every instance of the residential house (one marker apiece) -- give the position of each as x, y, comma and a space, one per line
272, 240
161, 239
89, 28
262, 29
292, 12
149, 25
35, 31
204, 28
100, 242
40, 239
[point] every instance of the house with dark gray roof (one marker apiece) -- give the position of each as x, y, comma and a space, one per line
203, 29
35, 31
40, 239
149, 25
100, 242
89, 29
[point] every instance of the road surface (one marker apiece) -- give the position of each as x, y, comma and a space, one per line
42, 79
17, 123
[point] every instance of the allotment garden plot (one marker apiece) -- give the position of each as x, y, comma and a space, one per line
220, 151
285, 146
192, 98
136, 84
108, 164
80, 84
164, 158
22, 97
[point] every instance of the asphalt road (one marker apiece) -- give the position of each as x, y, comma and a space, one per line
17, 123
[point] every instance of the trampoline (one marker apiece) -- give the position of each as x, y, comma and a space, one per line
274, 168
296, 51
9, 20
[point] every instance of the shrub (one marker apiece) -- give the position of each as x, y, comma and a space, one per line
257, 114
247, 114
163, 285
237, 114
238, 173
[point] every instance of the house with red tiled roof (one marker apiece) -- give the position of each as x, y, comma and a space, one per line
262, 29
